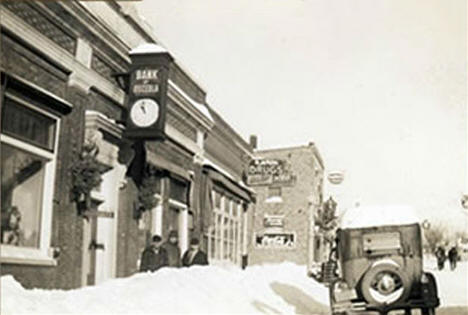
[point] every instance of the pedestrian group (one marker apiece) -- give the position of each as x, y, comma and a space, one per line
442, 256
158, 254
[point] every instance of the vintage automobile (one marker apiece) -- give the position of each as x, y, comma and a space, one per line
377, 263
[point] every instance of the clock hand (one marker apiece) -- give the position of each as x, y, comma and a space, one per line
143, 109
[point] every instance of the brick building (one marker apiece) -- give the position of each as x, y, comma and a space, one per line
58, 96
289, 183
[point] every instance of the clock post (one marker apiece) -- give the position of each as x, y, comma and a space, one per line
147, 93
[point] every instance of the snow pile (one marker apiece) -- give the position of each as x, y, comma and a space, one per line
369, 216
452, 285
283, 289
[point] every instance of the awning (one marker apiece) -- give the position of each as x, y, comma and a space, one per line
227, 183
160, 162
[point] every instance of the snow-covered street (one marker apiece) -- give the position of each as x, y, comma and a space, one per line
452, 285
268, 289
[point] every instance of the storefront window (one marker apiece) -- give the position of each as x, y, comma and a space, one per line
27, 166
173, 218
22, 190
178, 191
217, 200
274, 192
218, 236
28, 125
225, 241
226, 238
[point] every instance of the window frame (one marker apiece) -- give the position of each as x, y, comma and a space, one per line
225, 248
272, 189
43, 255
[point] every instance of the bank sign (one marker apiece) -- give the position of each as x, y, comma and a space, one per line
281, 240
269, 171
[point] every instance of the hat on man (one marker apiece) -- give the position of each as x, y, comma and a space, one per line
156, 238
173, 233
194, 241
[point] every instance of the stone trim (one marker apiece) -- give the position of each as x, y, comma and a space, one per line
59, 55
189, 105
97, 120
40, 22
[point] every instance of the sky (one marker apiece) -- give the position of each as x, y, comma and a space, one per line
380, 86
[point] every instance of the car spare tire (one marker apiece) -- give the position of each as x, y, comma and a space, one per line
384, 284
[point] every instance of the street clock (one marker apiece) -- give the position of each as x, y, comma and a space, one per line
147, 92
144, 112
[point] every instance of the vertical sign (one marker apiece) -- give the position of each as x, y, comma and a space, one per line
149, 75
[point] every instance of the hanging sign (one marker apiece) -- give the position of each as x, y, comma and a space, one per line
146, 81
147, 98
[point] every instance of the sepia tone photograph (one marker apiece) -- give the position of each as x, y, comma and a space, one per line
234, 157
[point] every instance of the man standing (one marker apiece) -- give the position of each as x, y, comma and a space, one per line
194, 255
172, 248
453, 257
441, 256
154, 256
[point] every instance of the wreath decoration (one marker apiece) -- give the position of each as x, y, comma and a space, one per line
146, 195
86, 175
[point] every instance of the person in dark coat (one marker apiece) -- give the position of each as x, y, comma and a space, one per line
194, 255
453, 257
441, 257
154, 256
172, 248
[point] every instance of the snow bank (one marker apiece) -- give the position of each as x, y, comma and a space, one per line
218, 289
369, 216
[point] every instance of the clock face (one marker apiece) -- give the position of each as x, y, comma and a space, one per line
144, 112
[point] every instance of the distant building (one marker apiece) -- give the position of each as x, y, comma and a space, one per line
288, 183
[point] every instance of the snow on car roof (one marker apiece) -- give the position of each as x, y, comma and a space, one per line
370, 216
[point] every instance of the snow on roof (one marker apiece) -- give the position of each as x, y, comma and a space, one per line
200, 107
370, 216
148, 48
220, 169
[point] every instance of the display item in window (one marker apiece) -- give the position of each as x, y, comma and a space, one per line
11, 231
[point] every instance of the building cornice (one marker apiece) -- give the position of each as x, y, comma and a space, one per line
89, 20
103, 123
190, 106
60, 56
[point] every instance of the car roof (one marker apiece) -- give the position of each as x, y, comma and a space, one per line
374, 216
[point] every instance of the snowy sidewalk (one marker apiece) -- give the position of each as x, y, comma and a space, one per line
452, 285
270, 289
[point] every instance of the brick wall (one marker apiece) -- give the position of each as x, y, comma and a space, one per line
294, 206
66, 226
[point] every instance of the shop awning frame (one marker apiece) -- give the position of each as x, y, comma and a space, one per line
233, 187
